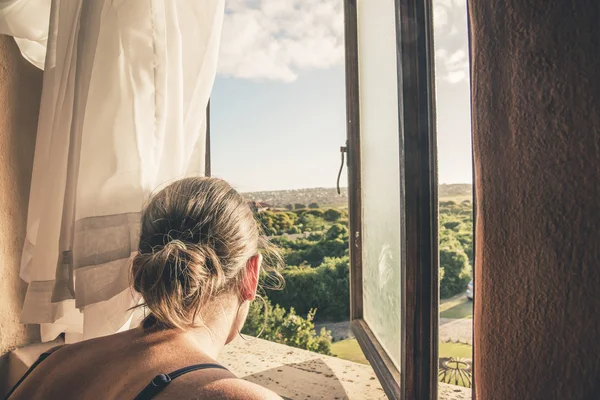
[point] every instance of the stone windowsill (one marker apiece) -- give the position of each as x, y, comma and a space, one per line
291, 372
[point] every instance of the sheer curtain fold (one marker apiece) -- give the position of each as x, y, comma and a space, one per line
126, 85
27, 22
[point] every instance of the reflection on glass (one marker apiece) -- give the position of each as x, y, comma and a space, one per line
380, 151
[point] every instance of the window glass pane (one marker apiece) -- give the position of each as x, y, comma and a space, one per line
380, 152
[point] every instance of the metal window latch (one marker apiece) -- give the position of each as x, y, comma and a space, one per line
343, 150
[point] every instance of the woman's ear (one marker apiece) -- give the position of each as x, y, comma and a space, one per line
251, 280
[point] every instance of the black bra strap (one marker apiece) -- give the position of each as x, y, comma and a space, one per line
161, 381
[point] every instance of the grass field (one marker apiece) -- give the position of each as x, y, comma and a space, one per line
349, 349
455, 350
456, 307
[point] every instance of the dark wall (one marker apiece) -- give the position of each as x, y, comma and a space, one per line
536, 126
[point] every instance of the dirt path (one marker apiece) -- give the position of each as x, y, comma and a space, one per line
451, 330
339, 330
456, 330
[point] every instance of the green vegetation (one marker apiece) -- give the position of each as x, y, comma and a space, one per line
286, 327
313, 250
276, 223
456, 247
325, 288
455, 350
349, 349
317, 272
456, 307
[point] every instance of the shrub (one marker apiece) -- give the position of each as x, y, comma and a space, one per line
337, 231
294, 258
457, 271
332, 215
276, 223
449, 203
294, 230
310, 223
299, 206
325, 288
315, 237
314, 253
452, 225
287, 327
313, 205
316, 212
465, 238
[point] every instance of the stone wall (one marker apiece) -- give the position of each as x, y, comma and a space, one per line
20, 92
536, 137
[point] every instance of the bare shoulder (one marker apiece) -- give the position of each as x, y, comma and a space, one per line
55, 348
235, 388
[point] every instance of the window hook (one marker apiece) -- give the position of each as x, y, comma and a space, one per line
343, 149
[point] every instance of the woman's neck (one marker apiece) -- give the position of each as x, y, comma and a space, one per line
214, 329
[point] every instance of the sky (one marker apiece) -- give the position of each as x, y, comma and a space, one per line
278, 103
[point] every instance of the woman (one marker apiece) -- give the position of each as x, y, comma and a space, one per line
197, 270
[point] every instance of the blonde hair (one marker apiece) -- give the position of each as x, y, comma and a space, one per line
196, 236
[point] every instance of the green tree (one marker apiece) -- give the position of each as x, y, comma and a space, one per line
457, 271
287, 327
267, 222
294, 230
332, 215
325, 287
452, 225
299, 206
276, 223
315, 237
313, 205
310, 223
283, 222
337, 231
317, 212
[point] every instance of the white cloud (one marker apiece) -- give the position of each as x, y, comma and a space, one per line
450, 37
454, 67
276, 39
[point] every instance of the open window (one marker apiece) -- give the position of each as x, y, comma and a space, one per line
392, 191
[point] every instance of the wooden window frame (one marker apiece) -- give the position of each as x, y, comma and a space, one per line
417, 377
207, 163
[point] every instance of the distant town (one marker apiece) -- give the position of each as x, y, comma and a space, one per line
328, 197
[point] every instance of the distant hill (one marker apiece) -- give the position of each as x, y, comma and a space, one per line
321, 196
455, 189
329, 196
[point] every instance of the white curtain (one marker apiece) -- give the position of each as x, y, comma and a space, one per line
126, 85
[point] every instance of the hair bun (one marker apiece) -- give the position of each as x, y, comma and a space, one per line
174, 278
196, 237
